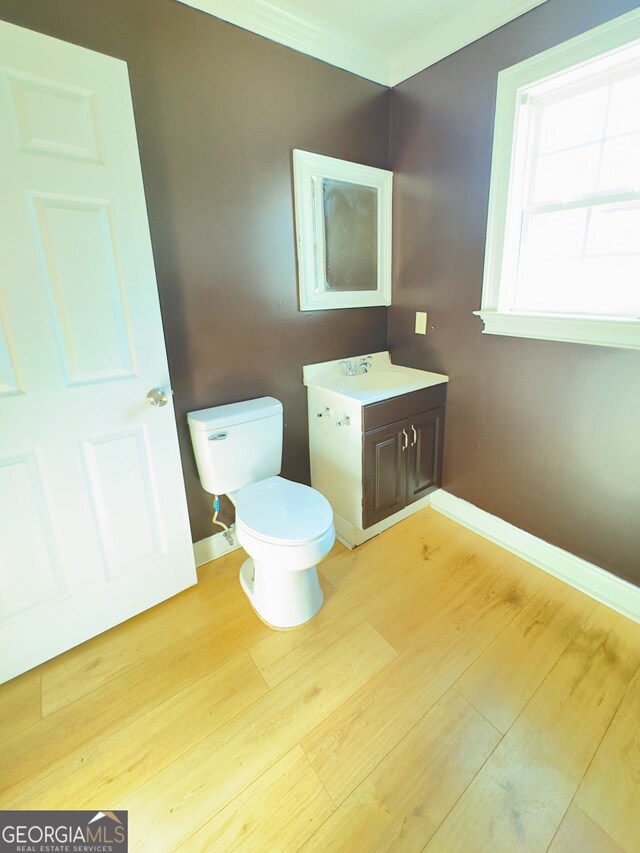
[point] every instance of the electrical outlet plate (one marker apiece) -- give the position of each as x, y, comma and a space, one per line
421, 322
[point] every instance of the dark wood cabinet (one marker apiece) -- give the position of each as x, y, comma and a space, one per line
385, 472
424, 456
402, 460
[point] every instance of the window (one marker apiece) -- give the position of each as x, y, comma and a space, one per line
563, 241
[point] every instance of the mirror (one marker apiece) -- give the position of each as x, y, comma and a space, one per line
343, 225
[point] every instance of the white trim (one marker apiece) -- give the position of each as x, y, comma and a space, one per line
508, 148
454, 33
577, 330
309, 217
620, 595
309, 36
316, 38
213, 547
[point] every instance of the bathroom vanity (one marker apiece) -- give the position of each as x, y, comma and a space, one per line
376, 434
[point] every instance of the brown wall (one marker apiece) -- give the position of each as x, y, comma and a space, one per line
218, 112
545, 435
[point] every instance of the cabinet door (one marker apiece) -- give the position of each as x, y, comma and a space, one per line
424, 455
384, 471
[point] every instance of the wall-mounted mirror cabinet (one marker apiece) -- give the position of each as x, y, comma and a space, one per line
343, 226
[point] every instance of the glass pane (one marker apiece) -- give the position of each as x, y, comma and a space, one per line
624, 111
610, 286
560, 234
614, 230
597, 286
567, 174
546, 284
351, 235
620, 168
573, 121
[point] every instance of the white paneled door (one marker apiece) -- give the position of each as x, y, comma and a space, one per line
93, 519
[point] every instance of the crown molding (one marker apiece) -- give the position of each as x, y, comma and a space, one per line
330, 44
312, 37
456, 32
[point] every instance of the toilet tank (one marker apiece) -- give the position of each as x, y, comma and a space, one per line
237, 444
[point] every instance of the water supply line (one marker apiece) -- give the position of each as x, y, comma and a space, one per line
216, 509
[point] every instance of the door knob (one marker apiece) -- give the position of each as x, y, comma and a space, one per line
157, 397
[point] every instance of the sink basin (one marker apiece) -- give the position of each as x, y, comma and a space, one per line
382, 381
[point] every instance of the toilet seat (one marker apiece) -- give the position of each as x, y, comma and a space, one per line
281, 512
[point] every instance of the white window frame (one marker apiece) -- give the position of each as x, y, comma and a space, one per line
513, 83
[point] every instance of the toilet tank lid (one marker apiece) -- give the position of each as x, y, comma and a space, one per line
234, 413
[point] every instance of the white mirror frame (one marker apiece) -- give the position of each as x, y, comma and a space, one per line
309, 212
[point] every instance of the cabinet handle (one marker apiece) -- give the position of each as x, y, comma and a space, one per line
405, 443
415, 436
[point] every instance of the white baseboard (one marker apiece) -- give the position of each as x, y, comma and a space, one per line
620, 595
214, 546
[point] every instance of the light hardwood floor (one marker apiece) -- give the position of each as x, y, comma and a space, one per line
448, 697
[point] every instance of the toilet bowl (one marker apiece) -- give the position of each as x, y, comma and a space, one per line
286, 528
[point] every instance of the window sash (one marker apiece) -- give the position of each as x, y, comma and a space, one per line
517, 254
554, 74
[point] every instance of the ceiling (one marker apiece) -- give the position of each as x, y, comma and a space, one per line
383, 40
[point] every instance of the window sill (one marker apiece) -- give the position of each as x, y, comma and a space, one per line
578, 330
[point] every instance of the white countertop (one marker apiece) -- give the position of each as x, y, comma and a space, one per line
382, 381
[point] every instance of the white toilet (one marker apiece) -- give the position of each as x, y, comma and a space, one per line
286, 528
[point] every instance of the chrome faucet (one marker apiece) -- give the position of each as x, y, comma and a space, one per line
350, 369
